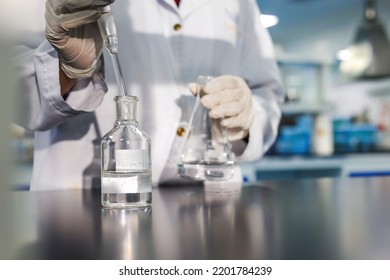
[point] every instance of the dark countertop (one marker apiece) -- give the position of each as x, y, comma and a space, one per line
299, 219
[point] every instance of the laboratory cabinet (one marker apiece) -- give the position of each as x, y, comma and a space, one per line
305, 108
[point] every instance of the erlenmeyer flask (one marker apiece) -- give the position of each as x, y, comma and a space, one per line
206, 152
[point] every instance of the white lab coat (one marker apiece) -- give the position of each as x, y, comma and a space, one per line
217, 37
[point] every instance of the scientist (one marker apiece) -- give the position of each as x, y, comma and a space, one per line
67, 89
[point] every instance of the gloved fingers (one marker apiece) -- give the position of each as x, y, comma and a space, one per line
69, 21
235, 134
212, 100
71, 6
232, 122
224, 82
193, 87
93, 45
76, 19
232, 134
233, 108
242, 121
226, 110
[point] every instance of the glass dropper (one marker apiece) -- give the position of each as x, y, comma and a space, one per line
108, 31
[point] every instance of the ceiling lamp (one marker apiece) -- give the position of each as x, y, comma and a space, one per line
369, 55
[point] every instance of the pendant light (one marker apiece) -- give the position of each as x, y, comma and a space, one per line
369, 55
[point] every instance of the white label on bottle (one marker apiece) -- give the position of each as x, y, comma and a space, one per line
131, 160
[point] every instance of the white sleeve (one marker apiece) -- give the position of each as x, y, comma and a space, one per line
40, 105
260, 71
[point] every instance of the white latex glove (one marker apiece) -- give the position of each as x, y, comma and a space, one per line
71, 28
229, 98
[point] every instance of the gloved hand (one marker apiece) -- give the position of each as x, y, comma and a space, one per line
71, 28
229, 98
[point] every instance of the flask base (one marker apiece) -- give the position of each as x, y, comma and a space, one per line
127, 200
202, 171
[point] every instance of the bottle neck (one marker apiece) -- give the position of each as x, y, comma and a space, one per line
126, 108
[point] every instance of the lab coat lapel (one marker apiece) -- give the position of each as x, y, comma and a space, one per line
170, 3
189, 6
186, 6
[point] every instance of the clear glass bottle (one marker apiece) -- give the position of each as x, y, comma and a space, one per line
126, 160
206, 152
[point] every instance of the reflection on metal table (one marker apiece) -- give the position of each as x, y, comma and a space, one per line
296, 219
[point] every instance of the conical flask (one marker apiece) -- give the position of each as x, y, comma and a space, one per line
206, 152
126, 160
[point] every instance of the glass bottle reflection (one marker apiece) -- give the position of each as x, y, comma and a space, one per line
91, 175
127, 234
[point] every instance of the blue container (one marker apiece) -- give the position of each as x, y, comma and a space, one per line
354, 137
295, 139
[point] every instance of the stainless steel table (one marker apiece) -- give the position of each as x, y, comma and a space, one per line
301, 219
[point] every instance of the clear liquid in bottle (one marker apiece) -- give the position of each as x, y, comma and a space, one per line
126, 189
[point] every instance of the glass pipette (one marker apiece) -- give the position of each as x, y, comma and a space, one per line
108, 30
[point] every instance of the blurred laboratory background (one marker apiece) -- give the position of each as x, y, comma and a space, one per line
334, 57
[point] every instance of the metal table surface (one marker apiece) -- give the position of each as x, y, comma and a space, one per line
301, 219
